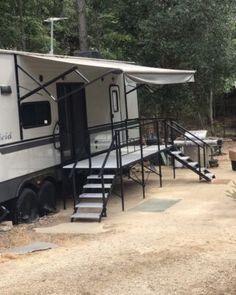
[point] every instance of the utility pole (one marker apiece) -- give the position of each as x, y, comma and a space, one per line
51, 20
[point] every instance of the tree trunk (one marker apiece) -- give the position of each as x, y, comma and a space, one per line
211, 116
21, 25
83, 38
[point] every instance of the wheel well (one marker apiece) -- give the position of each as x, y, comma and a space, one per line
29, 183
26, 184
51, 179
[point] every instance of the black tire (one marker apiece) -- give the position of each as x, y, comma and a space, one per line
27, 206
47, 198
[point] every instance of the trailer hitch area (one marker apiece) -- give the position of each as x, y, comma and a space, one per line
3, 213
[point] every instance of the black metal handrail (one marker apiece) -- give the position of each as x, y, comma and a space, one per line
119, 140
199, 146
101, 172
199, 139
107, 156
180, 132
192, 134
109, 126
72, 172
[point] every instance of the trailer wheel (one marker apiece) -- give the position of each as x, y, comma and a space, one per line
27, 206
47, 198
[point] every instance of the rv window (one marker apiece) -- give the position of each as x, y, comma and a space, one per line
115, 100
35, 114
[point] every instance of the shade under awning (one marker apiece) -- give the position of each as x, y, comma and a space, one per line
136, 73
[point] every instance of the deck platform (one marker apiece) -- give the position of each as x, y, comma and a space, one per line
130, 155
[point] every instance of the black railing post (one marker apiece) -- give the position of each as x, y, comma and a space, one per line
159, 151
172, 144
141, 152
171, 133
117, 152
165, 133
121, 173
199, 162
127, 135
103, 197
74, 189
204, 155
89, 151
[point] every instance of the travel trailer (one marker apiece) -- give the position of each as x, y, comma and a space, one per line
57, 111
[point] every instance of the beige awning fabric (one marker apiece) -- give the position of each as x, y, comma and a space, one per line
138, 74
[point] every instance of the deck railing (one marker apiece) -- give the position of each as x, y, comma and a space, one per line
134, 135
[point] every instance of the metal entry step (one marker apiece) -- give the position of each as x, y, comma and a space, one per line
97, 185
106, 176
86, 216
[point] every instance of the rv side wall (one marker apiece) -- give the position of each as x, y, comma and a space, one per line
20, 158
9, 117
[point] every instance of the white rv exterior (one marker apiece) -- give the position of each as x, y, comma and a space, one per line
28, 153
38, 92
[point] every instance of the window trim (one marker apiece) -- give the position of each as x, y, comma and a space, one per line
35, 103
115, 100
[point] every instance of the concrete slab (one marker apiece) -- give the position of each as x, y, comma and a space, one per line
37, 246
73, 228
155, 205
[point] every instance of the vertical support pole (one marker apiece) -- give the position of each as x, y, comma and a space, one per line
74, 188
117, 153
141, 153
174, 168
199, 162
121, 173
204, 155
89, 151
172, 144
127, 135
63, 189
104, 211
165, 133
159, 150
51, 45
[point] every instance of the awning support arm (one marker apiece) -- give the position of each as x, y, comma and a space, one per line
113, 71
135, 88
48, 82
37, 82
29, 89
81, 76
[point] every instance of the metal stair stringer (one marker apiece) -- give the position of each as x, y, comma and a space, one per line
92, 203
187, 162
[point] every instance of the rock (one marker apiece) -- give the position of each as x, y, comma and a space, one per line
6, 226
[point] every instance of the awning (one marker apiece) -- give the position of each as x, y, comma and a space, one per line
138, 74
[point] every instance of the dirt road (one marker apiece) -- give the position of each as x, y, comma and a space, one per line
188, 249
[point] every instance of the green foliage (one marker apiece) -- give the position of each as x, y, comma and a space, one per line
181, 34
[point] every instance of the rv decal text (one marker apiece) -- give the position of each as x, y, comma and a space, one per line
4, 136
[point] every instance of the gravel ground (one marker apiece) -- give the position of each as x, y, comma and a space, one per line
188, 249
